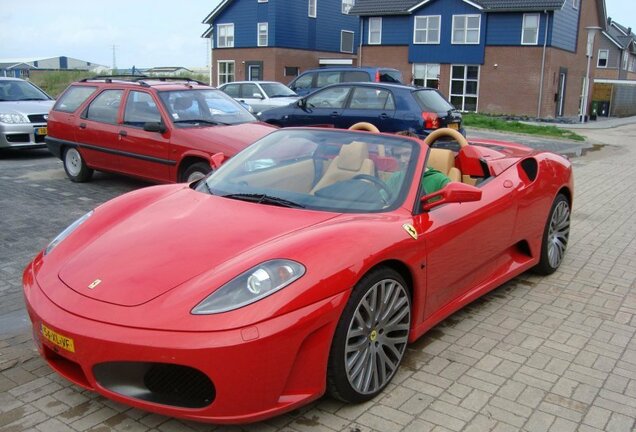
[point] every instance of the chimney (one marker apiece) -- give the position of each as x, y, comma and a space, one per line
609, 21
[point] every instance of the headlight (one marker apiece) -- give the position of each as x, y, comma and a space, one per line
61, 236
251, 286
13, 118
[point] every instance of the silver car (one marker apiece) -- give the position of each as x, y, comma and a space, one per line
260, 95
24, 110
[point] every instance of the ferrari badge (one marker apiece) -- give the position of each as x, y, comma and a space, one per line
94, 283
411, 230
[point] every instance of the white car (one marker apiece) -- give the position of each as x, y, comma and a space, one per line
260, 95
24, 110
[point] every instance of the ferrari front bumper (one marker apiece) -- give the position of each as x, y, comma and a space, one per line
234, 376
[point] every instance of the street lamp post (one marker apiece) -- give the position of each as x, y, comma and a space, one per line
591, 31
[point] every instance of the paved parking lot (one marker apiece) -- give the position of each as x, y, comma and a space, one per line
553, 353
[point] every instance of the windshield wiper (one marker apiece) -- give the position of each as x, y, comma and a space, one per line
194, 121
33, 99
264, 199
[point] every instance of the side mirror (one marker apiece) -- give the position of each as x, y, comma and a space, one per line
453, 192
302, 103
217, 159
155, 127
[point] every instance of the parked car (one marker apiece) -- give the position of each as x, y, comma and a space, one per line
24, 109
313, 79
260, 95
390, 107
158, 129
290, 271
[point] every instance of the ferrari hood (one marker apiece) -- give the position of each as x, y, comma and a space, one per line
172, 240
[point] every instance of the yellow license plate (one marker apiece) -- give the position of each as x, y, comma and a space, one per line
41, 131
454, 126
57, 339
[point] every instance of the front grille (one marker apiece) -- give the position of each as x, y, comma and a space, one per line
18, 138
37, 118
162, 383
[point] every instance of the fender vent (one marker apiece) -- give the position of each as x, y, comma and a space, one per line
530, 167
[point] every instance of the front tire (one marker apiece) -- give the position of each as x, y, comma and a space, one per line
196, 171
371, 337
555, 236
75, 167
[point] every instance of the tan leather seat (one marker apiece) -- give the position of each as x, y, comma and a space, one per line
443, 160
352, 160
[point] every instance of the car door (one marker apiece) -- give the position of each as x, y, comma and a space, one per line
464, 245
253, 96
370, 104
321, 108
97, 131
144, 153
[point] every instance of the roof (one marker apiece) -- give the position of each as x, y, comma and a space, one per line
406, 7
620, 35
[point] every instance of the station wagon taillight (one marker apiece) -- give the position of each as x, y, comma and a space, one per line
377, 76
431, 120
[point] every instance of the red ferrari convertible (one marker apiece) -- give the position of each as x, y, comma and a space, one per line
303, 265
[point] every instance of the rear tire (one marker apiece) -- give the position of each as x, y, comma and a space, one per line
75, 167
370, 338
555, 236
196, 171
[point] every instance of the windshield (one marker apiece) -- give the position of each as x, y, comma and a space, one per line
277, 90
189, 108
339, 171
11, 90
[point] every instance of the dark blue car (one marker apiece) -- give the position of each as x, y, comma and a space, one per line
390, 107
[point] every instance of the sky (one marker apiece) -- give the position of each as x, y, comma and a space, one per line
145, 34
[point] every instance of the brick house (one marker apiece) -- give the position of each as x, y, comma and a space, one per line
616, 55
495, 56
277, 39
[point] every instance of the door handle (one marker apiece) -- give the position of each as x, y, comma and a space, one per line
335, 114
82, 125
384, 116
123, 133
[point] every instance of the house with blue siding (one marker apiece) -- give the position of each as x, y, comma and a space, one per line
278, 39
496, 56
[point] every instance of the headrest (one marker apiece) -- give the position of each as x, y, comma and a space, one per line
182, 103
441, 159
352, 156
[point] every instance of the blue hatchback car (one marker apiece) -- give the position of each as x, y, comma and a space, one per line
390, 107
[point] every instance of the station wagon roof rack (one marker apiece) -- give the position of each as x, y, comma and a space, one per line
141, 79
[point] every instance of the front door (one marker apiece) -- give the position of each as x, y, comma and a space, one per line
322, 108
560, 99
254, 70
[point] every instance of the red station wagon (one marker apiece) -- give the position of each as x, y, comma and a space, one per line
158, 129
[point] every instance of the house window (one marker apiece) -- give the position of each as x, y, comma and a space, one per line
291, 71
262, 34
346, 41
426, 75
347, 5
375, 31
426, 29
625, 59
225, 36
530, 31
603, 56
466, 29
262, 1
575, 4
312, 9
464, 89
225, 71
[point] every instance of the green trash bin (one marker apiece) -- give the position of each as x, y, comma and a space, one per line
594, 110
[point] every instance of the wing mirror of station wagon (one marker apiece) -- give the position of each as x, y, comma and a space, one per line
155, 127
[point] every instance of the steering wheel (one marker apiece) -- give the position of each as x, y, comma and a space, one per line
378, 183
446, 132
364, 126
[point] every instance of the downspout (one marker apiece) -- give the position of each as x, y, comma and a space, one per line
360, 47
545, 43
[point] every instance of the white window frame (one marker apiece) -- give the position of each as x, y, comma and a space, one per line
598, 58
379, 32
258, 34
347, 5
219, 27
312, 8
464, 80
428, 76
353, 41
225, 74
427, 30
625, 59
575, 4
466, 29
263, 1
524, 28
